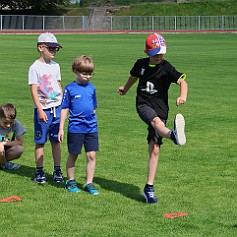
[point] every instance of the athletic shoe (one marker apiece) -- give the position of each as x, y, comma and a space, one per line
10, 166
58, 176
149, 195
40, 177
90, 188
71, 186
178, 134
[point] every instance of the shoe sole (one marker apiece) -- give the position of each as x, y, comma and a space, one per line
180, 126
43, 182
94, 194
58, 181
72, 191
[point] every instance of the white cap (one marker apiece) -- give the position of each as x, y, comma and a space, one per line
49, 39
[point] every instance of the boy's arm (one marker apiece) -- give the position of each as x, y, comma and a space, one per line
60, 86
17, 141
34, 92
124, 89
183, 92
63, 116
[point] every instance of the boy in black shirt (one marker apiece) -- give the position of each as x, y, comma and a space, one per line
155, 76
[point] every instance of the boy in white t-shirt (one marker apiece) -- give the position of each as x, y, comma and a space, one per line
44, 80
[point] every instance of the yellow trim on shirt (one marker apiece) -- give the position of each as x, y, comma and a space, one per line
182, 77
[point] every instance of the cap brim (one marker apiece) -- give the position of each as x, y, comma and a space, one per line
153, 52
53, 45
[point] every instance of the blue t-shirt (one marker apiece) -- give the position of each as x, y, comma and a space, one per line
81, 101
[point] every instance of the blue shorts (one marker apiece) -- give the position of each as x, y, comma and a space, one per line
76, 140
50, 129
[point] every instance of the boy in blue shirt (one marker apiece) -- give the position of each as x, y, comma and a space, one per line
79, 99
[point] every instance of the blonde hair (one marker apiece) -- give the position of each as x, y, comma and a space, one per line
83, 63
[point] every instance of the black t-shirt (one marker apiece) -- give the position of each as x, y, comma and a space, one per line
154, 83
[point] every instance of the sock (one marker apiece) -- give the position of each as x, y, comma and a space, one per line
149, 186
57, 168
40, 169
172, 135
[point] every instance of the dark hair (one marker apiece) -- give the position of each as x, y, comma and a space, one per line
8, 111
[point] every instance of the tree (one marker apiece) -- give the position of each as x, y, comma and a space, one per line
34, 6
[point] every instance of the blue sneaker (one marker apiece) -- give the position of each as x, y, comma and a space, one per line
90, 188
149, 195
58, 176
71, 186
40, 177
178, 134
10, 166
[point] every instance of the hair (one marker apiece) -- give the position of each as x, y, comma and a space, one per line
83, 63
8, 111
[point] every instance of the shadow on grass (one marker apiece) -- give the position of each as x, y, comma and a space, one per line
27, 171
128, 190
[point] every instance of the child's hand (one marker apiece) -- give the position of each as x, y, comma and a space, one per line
2, 147
43, 117
121, 90
60, 136
180, 100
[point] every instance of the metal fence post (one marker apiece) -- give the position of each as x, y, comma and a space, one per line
63, 24
23, 23
111, 23
43, 23
152, 23
175, 23
199, 23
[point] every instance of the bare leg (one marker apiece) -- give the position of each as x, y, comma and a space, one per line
56, 152
14, 152
39, 155
70, 166
154, 150
160, 128
90, 166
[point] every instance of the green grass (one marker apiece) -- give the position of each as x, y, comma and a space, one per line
201, 8
199, 179
160, 8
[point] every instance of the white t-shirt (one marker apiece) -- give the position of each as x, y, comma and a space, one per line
46, 77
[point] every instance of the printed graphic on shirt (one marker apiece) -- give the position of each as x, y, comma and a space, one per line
149, 88
8, 137
46, 87
142, 71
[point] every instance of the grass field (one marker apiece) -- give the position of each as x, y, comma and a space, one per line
199, 179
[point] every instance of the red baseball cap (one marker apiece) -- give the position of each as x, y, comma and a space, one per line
155, 44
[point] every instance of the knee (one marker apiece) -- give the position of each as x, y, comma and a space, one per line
91, 157
156, 122
19, 151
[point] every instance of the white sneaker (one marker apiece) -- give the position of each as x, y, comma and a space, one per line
178, 134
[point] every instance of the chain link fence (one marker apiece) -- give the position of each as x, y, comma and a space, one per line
118, 23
